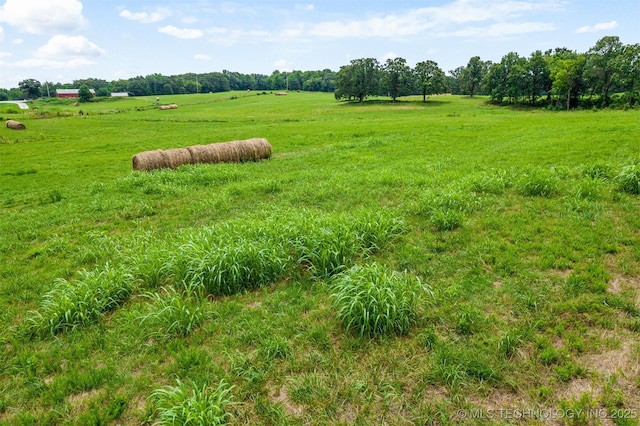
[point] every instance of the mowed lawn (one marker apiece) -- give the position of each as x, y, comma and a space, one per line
518, 228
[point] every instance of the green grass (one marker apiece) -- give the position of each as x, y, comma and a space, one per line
371, 301
196, 406
114, 283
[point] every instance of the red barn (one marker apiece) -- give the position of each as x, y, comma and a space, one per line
70, 93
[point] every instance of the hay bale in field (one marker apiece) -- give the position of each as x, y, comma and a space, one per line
176, 157
221, 152
15, 125
148, 160
165, 107
201, 154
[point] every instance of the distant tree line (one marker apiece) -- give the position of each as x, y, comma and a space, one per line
158, 84
558, 78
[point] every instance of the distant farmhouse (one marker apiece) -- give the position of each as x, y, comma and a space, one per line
71, 93
119, 94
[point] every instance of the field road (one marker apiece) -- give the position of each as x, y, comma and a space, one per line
21, 104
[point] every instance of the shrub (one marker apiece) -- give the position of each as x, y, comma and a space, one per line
196, 406
628, 180
372, 301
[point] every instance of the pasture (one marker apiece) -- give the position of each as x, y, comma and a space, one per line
504, 243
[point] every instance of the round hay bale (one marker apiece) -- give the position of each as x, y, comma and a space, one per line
148, 160
200, 154
262, 148
15, 125
222, 152
176, 157
228, 152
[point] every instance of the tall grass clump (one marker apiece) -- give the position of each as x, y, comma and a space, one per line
239, 265
628, 180
332, 245
72, 304
601, 171
192, 405
445, 208
248, 254
173, 314
372, 301
538, 183
495, 182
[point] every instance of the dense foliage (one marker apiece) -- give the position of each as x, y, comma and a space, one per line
158, 84
559, 78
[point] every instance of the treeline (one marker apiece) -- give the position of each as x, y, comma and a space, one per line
558, 78
158, 84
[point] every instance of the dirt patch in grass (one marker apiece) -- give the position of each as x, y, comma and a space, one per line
282, 398
80, 400
613, 361
620, 283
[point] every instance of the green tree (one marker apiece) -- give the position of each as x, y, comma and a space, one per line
138, 86
397, 78
30, 88
84, 94
566, 74
538, 77
430, 78
455, 80
602, 65
360, 79
629, 69
473, 74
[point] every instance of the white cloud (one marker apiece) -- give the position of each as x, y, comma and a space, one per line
17, 41
69, 46
5, 54
146, 17
282, 65
603, 26
503, 29
184, 33
390, 55
43, 16
1, 34
202, 57
307, 7
227, 37
436, 19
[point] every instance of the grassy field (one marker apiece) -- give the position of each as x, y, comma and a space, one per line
440, 263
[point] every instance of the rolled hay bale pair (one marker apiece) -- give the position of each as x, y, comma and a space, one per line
15, 125
222, 152
165, 107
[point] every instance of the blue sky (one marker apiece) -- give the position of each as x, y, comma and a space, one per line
64, 40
